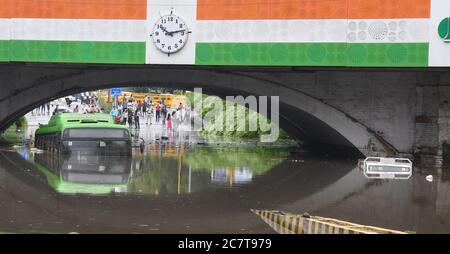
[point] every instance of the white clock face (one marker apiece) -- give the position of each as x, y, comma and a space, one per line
170, 34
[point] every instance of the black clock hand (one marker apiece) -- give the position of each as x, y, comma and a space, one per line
177, 31
165, 30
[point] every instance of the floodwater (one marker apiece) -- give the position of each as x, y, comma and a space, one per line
183, 185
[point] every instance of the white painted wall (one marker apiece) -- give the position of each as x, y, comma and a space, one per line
439, 50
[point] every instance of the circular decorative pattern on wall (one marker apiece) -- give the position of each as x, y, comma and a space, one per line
119, 51
278, 53
19, 49
204, 53
240, 53
402, 25
352, 26
316, 53
86, 50
378, 30
51, 50
397, 53
392, 36
362, 25
351, 36
362, 35
356, 53
392, 25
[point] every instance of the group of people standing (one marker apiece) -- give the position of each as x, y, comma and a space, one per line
130, 112
42, 110
127, 113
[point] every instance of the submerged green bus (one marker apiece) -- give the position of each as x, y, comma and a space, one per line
85, 174
84, 133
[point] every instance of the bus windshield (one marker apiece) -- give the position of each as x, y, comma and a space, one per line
95, 133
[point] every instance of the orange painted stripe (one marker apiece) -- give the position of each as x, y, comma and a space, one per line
271, 9
311, 9
74, 9
375, 9
5, 8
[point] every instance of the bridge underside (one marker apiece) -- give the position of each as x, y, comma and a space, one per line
377, 111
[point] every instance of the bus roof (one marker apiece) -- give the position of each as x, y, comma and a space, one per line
61, 121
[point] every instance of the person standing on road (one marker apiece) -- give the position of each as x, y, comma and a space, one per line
149, 115
114, 112
158, 113
124, 103
56, 110
42, 109
144, 110
164, 114
48, 108
137, 124
124, 117
130, 118
175, 115
169, 122
182, 114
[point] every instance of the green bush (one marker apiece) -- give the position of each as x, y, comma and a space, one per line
15, 135
209, 130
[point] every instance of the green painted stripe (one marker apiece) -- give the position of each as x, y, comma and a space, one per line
4, 51
313, 54
76, 52
288, 54
388, 54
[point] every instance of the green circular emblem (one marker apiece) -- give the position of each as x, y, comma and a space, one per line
444, 29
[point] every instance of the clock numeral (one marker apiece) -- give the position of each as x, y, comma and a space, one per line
181, 41
163, 21
181, 25
176, 45
182, 33
169, 47
158, 41
163, 45
156, 33
170, 19
176, 21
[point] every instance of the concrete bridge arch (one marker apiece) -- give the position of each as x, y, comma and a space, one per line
301, 115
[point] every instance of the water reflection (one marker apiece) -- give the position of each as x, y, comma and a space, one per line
79, 173
163, 168
231, 175
169, 169
179, 194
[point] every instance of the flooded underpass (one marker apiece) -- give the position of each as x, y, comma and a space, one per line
181, 182
181, 186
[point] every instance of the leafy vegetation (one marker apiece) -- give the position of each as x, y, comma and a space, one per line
15, 134
250, 116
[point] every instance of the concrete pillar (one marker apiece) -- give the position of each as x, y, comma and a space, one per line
426, 121
444, 115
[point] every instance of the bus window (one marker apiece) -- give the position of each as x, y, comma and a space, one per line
95, 133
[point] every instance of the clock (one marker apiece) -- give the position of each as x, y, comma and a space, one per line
170, 34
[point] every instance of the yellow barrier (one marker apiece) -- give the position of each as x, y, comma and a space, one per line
171, 100
286, 223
